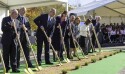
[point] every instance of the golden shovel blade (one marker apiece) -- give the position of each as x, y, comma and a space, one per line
60, 64
39, 68
26, 71
6, 73
30, 71
68, 60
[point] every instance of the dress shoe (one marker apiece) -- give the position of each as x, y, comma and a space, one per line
16, 71
49, 63
7, 70
31, 66
39, 63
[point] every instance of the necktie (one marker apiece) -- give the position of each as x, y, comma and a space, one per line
49, 20
22, 20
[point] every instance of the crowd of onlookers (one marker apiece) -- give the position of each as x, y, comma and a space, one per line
113, 32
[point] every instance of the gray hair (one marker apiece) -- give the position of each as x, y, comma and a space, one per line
52, 9
98, 17
13, 11
22, 8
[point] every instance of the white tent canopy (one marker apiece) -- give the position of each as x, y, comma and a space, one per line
6, 5
91, 6
112, 11
28, 3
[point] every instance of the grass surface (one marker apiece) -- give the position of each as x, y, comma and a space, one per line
110, 65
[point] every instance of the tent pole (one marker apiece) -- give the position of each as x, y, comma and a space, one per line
7, 12
67, 9
94, 14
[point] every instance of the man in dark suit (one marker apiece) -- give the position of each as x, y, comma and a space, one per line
46, 21
24, 25
8, 41
96, 25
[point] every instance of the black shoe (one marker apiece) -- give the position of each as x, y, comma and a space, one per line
61, 59
16, 71
75, 55
49, 63
39, 63
7, 70
31, 66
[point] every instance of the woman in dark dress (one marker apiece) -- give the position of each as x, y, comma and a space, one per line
75, 34
57, 39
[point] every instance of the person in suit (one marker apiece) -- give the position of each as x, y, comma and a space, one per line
46, 21
57, 39
96, 24
9, 41
24, 25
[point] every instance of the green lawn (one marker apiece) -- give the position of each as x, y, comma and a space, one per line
110, 65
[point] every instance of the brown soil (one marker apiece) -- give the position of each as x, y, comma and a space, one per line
71, 66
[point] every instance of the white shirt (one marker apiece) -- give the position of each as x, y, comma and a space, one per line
49, 18
83, 30
113, 32
124, 31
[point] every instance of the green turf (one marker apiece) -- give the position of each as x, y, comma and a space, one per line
110, 65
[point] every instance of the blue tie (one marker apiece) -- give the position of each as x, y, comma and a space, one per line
49, 20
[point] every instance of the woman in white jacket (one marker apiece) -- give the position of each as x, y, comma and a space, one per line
84, 36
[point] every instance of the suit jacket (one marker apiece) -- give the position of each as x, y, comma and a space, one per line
24, 21
97, 27
49, 27
8, 31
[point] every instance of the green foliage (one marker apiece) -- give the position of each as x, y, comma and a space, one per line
93, 60
114, 53
100, 58
120, 50
105, 56
77, 67
86, 64
64, 71
110, 55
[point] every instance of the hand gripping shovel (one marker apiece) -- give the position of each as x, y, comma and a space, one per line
38, 68
42, 28
27, 70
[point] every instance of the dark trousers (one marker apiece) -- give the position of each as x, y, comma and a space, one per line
67, 44
84, 42
56, 42
40, 48
26, 51
113, 37
93, 40
9, 54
